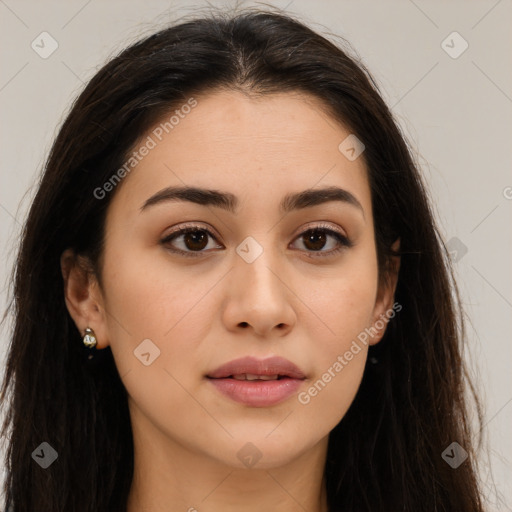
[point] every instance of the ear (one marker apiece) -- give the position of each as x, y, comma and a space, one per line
385, 297
83, 296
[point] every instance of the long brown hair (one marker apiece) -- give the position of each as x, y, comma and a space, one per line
386, 453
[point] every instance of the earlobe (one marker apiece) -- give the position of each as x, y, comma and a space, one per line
384, 305
82, 296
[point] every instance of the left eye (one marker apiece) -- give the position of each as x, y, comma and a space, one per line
316, 238
194, 241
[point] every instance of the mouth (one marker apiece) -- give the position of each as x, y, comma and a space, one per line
256, 382
252, 376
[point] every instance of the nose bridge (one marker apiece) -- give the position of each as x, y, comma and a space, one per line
257, 262
259, 297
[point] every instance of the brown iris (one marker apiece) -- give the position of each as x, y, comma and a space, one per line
316, 238
196, 240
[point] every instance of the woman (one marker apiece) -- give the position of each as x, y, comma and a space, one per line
231, 293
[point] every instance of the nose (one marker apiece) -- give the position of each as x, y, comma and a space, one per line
258, 297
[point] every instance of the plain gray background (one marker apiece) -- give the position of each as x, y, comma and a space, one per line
455, 109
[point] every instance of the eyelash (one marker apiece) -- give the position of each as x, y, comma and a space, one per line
344, 242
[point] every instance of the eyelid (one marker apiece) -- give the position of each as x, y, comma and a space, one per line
320, 225
191, 224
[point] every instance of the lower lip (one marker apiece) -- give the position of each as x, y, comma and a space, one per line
257, 393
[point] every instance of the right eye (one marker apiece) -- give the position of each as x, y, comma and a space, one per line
193, 240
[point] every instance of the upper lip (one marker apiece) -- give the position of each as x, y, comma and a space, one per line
270, 366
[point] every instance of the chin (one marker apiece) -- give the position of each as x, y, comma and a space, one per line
256, 449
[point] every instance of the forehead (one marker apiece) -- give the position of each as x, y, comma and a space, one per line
258, 148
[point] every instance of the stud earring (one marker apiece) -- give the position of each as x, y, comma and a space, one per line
90, 338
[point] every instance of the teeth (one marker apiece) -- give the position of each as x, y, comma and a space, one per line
251, 376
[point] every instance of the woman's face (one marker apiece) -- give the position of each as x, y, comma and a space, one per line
246, 282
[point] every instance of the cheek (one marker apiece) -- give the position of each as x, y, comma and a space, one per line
155, 336
345, 307
343, 304
145, 301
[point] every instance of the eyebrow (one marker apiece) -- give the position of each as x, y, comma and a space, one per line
230, 203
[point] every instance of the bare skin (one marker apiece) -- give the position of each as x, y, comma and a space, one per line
297, 299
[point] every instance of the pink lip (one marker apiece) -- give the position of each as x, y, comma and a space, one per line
258, 393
